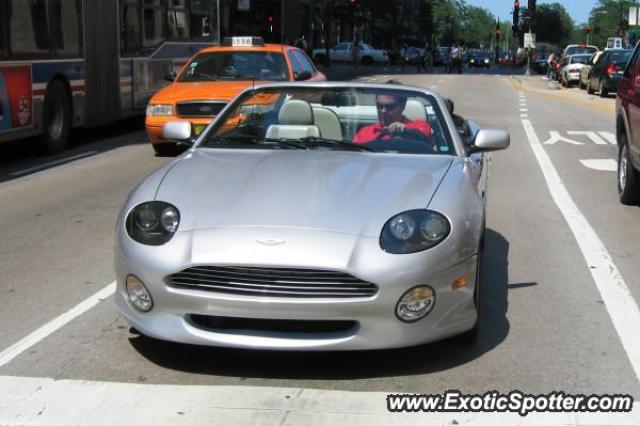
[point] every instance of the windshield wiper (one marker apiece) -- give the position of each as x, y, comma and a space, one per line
254, 140
313, 140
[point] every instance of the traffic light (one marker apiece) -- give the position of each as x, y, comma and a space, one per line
588, 29
516, 13
270, 20
498, 32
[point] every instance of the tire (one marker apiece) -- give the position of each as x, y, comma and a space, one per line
367, 60
165, 149
590, 87
628, 176
56, 117
604, 92
320, 59
581, 85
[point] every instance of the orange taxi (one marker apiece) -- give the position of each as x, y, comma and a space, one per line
215, 75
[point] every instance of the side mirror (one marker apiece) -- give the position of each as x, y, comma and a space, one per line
170, 76
178, 131
302, 75
490, 140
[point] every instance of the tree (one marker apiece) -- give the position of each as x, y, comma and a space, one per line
553, 24
609, 17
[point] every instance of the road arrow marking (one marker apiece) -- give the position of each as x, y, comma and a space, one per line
601, 165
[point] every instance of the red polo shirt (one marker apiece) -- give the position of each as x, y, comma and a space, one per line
374, 131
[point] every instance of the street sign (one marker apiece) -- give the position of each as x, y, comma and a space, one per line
529, 41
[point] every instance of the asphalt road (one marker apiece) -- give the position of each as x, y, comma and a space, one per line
548, 326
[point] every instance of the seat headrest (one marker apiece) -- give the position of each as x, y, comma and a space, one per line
296, 112
414, 110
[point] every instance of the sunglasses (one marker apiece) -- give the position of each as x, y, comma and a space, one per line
388, 107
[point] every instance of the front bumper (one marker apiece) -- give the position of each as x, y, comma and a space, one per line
376, 325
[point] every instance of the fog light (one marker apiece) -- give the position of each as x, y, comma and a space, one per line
138, 294
416, 303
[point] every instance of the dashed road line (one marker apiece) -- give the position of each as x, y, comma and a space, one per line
601, 165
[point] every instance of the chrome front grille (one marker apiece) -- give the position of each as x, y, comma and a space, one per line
199, 109
272, 282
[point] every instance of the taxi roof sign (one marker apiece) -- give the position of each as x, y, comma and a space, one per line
243, 41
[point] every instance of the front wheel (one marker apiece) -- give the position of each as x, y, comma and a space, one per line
56, 117
367, 60
628, 176
165, 149
590, 87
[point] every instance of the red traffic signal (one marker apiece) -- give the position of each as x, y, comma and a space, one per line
270, 19
589, 28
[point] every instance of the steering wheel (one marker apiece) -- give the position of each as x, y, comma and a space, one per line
410, 141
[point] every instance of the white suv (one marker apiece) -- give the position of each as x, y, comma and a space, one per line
342, 52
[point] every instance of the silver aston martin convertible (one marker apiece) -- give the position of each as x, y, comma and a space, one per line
315, 216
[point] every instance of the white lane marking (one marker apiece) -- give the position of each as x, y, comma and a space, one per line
41, 401
610, 137
53, 163
524, 110
28, 341
601, 165
618, 300
523, 116
591, 135
555, 137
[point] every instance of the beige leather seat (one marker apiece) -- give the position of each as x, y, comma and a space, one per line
414, 110
295, 121
328, 123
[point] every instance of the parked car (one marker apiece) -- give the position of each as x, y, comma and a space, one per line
586, 70
441, 56
628, 131
413, 55
277, 231
571, 66
607, 71
343, 52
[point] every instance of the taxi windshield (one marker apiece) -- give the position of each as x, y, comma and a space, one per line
338, 118
213, 66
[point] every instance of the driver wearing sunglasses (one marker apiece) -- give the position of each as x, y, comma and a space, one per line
391, 121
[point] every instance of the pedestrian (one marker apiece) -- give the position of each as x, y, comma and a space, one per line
455, 59
403, 54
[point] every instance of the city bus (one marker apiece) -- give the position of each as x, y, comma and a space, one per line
68, 63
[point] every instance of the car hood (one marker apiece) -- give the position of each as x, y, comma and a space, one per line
337, 191
210, 90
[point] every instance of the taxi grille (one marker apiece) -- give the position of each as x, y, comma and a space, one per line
199, 109
272, 282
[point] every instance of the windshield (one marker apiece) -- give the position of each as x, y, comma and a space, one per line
236, 66
358, 119
580, 59
581, 49
621, 57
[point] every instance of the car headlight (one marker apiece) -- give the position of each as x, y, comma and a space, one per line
160, 110
486, 61
153, 223
414, 231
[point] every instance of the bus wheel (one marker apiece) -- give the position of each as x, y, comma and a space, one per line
56, 117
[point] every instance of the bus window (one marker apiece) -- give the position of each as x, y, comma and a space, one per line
154, 34
178, 24
28, 36
131, 34
66, 27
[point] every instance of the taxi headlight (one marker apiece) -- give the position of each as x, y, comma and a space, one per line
153, 223
160, 110
416, 303
414, 231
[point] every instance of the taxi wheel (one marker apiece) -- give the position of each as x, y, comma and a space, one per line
628, 176
165, 149
56, 117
